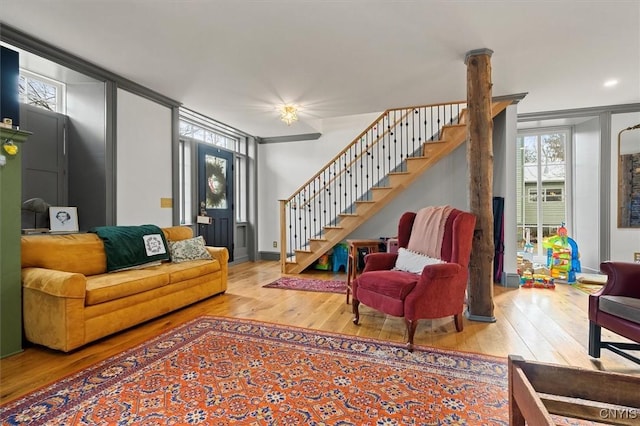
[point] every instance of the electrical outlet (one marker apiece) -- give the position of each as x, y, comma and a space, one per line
275, 244
636, 257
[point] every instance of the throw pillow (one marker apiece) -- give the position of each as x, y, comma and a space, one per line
191, 249
414, 262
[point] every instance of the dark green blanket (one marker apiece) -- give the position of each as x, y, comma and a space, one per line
130, 246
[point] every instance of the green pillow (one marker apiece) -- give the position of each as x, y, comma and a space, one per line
186, 250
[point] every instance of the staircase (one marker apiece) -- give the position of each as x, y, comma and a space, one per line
365, 176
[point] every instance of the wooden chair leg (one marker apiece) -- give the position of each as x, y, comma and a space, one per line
458, 320
595, 332
411, 331
356, 312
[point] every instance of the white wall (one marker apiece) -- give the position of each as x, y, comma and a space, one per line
443, 183
143, 161
284, 167
624, 241
586, 193
505, 133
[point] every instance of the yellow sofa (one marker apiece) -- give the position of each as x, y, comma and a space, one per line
69, 299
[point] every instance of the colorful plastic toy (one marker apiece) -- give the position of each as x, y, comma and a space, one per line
531, 280
563, 258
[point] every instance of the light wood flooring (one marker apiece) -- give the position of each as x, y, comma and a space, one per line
538, 324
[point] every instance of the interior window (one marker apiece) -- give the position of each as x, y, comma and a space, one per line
41, 92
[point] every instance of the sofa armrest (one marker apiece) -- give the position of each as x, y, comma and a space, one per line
53, 308
220, 253
55, 283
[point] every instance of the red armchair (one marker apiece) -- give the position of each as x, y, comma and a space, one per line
437, 292
616, 307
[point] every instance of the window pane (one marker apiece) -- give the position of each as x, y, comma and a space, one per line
39, 92
241, 189
530, 148
553, 194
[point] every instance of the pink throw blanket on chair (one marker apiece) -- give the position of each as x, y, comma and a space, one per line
428, 231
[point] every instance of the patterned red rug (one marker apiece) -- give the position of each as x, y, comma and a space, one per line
309, 284
221, 371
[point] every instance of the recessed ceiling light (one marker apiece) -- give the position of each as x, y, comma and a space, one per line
610, 83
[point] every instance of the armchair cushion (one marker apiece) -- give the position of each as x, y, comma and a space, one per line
394, 284
621, 306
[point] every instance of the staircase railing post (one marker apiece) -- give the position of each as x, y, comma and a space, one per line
283, 235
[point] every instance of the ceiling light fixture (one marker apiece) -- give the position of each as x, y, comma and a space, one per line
289, 114
610, 83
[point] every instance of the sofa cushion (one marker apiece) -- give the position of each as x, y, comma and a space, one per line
187, 270
621, 306
189, 249
77, 253
115, 285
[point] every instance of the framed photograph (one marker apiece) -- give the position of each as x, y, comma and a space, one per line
63, 219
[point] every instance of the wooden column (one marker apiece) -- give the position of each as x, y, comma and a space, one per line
480, 160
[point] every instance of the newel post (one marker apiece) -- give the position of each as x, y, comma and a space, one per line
480, 160
283, 235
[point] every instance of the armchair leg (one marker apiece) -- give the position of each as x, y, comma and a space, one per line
411, 331
356, 313
594, 339
457, 318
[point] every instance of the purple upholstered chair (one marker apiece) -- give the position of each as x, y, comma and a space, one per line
616, 307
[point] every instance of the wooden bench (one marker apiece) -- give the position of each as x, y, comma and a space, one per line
538, 390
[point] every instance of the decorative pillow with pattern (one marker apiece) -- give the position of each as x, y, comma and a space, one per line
414, 262
191, 249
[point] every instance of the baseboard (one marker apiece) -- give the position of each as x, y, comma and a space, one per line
268, 255
479, 318
510, 280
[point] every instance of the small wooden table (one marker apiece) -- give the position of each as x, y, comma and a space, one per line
352, 262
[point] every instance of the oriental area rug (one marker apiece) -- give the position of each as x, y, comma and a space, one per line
222, 371
309, 284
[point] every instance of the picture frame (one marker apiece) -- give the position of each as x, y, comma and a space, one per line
63, 219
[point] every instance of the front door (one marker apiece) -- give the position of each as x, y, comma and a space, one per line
215, 196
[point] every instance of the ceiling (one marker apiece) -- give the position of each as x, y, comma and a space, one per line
237, 61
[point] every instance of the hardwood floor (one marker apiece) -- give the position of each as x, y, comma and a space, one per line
543, 325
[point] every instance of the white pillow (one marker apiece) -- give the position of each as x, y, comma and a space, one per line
414, 262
